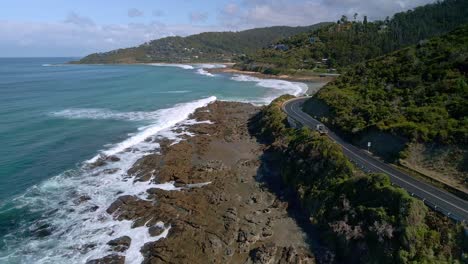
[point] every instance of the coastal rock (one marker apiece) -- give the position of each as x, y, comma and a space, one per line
270, 253
145, 168
128, 207
120, 244
110, 259
113, 158
98, 163
155, 230
220, 222
81, 199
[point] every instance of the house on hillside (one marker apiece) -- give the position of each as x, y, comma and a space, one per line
281, 47
313, 40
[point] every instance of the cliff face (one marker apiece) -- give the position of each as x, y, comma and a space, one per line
362, 217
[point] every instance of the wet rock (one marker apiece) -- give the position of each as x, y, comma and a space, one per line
155, 230
113, 158
267, 232
87, 247
43, 231
81, 199
110, 259
128, 207
98, 163
110, 171
264, 254
120, 244
215, 243
145, 168
92, 208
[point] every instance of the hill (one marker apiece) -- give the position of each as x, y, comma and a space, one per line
204, 47
417, 95
347, 42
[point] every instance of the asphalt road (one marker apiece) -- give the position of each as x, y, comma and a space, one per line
440, 200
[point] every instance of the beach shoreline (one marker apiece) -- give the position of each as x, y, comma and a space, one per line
285, 77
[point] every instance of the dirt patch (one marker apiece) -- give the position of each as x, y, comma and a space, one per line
447, 164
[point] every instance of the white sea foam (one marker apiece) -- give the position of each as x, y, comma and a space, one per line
204, 72
166, 119
182, 66
98, 113
53, 65
294, 88
80, 229
174, 92
209, 66
276, 88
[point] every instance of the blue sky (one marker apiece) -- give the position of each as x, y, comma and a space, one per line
76, 28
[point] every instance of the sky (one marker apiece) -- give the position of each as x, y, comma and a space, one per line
55, 28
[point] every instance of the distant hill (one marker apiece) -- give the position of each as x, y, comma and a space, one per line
348, 42
204, 47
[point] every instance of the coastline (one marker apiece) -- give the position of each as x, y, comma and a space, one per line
220, 207
101, 203
285, 77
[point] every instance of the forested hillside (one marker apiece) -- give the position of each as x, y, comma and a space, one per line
204, 47
420, 92
353, 40
412, 104
361, 217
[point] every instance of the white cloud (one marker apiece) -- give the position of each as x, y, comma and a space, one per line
198, 17
158, 13
133, 12
78, 36
74, 18
259, 13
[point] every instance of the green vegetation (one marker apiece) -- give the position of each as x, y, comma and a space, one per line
420, 93
204, 47
362, 218
348, 42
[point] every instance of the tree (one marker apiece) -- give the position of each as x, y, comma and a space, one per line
344, 19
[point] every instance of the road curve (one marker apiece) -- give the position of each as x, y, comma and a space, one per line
440, 200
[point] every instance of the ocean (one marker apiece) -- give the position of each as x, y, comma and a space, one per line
56, 118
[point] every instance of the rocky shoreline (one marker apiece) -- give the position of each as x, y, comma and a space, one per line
222, 212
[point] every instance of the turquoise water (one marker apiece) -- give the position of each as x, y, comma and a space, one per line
54, 117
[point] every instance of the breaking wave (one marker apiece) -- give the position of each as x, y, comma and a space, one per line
71, 223
182, 66
278, 87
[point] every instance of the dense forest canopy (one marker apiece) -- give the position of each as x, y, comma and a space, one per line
350, 41
204, 47
420, 92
